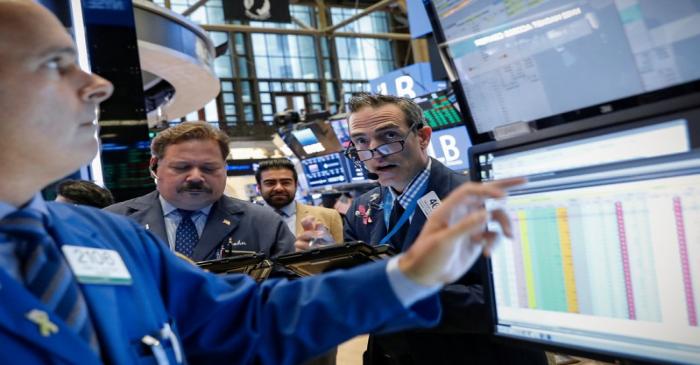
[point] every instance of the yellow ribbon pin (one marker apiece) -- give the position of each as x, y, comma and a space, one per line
41, 319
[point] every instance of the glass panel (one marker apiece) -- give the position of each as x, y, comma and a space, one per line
280, 103
263, 86
276, 86
300, 86
259, 46
222, 66
229, 98
229, 109
248, 113
264, 97
261, 67
330, 92
245, 91
312, 86
267, 109
243, 67
288, 86
240, 44
211, 111
226, 86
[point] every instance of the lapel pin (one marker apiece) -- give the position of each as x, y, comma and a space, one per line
147, 227
41, 319
226, 222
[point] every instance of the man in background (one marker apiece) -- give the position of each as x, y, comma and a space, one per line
83, 192
277, 183
189, 209
390, 137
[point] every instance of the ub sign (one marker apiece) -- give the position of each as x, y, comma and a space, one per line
410, 81
450, 146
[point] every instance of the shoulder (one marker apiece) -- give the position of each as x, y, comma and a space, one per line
371, 195
81, 218
238, 206
443, 179
138, 203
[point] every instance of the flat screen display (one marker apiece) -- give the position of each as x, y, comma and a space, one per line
332, 169
439, 109
311, 139
522, 61
606, 250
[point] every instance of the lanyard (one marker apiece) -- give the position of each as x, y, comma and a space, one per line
388, 206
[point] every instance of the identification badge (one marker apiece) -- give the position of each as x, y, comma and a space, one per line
96, 265
428, 203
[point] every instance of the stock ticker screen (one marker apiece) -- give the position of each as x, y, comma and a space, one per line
606, 249
439, 110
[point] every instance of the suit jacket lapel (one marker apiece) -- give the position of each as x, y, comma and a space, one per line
222, 220
148, 210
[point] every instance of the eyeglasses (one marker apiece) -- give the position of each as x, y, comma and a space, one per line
383, 150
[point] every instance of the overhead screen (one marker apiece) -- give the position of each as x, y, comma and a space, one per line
606, 254
528, 60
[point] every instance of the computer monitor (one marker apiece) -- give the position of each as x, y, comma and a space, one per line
341, 129
329, 170
311, 139
605, 258
439, 109
557, 61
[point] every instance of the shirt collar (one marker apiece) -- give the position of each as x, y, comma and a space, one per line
413, 187
169, 208
289, 209
37, 203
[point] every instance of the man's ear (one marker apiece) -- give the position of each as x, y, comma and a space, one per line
424, 135
153, 166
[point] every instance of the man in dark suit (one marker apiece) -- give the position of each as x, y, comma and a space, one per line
390, 137
189, 209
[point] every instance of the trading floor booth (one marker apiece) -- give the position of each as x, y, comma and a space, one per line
597, 103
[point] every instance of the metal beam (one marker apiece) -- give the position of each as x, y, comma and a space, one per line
249, 29
380, 5
392, 36
194, 7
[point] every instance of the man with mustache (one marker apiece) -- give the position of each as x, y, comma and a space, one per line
189, 210
277, 183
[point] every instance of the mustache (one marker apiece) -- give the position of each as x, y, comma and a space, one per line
197, 187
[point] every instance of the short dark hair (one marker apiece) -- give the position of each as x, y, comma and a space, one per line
189, 131
275, 164
85, 193
411, 110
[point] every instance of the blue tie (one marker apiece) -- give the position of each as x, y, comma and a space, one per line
46, 273
186, 236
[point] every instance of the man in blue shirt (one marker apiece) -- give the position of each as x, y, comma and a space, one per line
390, 137
79, 285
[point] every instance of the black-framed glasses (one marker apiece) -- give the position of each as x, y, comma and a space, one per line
384, 150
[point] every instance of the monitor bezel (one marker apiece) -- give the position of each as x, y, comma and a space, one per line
614, 109
553, 136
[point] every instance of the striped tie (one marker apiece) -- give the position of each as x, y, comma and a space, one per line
46, 273
186, 236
